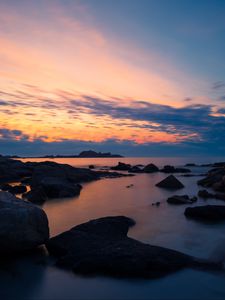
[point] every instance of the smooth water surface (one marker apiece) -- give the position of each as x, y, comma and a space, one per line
165, 225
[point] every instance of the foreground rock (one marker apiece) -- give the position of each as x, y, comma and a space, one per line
181, 199
206, 213
23, 226
102, 247
37, 196
171, 183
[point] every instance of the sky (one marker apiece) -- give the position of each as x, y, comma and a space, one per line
138, 78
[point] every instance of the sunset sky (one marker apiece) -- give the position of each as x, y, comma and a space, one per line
135, 77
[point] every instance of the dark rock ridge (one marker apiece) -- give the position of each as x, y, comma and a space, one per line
47, 179
206, 195
172, 169
150, 168
85, 154
23, 226
181, 199
171, 183
215, 213
214, 179
102, 247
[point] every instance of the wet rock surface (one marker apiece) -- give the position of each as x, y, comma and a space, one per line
101, 246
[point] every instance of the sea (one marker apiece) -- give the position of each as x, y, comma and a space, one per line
165, 225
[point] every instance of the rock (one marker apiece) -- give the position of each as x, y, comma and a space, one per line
214, 176
121, 167
91, 167
102, 247
129, 186
206, 213
17, 189
151, 168
59, 187
156, 203
170, 182
5, 187
23, 226
181, 199
172, 169
37, 196
135, 169
190, 165
205, 194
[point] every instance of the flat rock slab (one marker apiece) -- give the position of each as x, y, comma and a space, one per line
102, 247
215, 213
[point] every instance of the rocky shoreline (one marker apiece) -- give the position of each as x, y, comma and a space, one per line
99, 246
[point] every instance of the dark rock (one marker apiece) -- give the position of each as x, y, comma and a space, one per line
214, 176
59, 187
121, 167
91, 167
23, 226
17, 189
37, 196
206, 213
102, 247
170, 182
135, 169
181, 199
5, 187
151, 168
205, 194
156, 203
172, 169
190, 165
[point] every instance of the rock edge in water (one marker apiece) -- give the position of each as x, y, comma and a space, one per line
102, 247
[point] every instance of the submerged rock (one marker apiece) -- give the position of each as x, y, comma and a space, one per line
181, 199
23, 226
206, 213
170, 182
102, 247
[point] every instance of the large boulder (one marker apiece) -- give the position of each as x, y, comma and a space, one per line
181, 199
206, 213
102, 247
170, 182
37, 196
23, 226
150, 168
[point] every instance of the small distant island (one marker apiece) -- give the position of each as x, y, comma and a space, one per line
83, 154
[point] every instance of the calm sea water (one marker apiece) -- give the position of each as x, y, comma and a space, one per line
165, 225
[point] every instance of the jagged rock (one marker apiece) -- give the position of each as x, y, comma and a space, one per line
181, 199
23, 226
205, 194
170, 182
